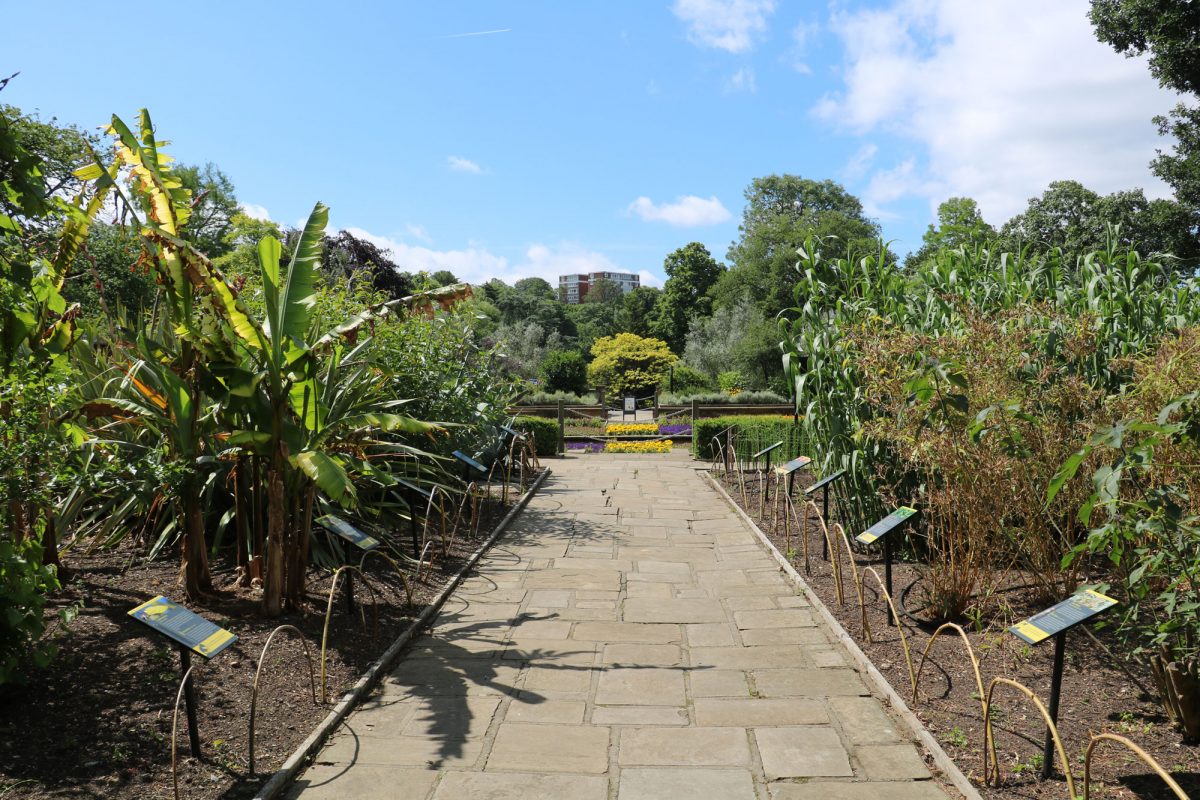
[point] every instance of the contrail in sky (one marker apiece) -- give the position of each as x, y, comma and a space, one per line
473, 33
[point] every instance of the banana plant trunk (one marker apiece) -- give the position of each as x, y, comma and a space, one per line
193, 554
1179, 686
273, 579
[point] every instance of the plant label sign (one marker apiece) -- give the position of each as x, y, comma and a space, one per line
470, 462
1077, 608
793, 465
513, 433
821, 484
183, 626
886, 525
630, 405
423, 492
766, 450
344, 530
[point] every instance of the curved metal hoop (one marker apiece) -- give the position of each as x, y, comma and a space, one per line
175, 732
262, 657
990, 740
408, 591
1146, 758
970, 651
329, 613
833, 559
899, 626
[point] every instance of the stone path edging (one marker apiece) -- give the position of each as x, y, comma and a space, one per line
877, 681
284, 775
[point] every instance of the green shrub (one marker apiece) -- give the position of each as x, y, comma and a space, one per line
752, 433
544, 432
552, 398
731, 382
629, 364
24, 584
564, 371
687, 380
715, 398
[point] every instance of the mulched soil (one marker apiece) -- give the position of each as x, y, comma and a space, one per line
1097, 696
97, 721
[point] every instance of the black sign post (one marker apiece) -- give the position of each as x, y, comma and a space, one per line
348, 533
766, 451
413, 492
191, 633
880, 530
824, 484
1056, 621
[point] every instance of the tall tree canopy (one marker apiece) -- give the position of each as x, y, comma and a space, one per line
781, 211
692, 272
1168, 31
1073, 217
960, 224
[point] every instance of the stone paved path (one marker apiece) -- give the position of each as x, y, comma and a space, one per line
628, 639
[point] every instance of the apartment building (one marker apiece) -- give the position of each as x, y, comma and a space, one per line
573, 288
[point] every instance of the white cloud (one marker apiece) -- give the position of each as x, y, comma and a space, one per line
997, 99
418, 232
802, 34
686, 212
730, 25
649, 278
860, 162
478, 265
459, 164
741, 81
254, 211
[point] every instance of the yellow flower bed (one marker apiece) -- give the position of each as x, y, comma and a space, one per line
638, 447
631, 428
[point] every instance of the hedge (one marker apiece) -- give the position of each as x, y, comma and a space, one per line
752, 433
545, 433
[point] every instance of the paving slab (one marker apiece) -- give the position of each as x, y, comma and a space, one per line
522, 747
628, 639
517, 786
685, 784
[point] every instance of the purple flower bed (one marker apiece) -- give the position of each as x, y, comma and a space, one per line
682, 429
584, 447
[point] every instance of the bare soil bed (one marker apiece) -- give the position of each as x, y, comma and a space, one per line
1097, 695
97, 721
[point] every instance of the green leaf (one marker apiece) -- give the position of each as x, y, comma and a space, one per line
328, 475
1066, 472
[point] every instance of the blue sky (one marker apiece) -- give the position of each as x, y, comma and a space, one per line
573, 136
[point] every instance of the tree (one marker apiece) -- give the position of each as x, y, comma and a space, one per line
59, 151
737, 338
346, 255
1166, 30
781, 211
443, 277
691, 274
214, 205
1070, 216
106, 276
629, 364
604, 291
530, 300
524, 346
637, 307
564, 371
959, 225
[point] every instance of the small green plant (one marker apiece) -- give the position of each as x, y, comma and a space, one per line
956, 737
731, 382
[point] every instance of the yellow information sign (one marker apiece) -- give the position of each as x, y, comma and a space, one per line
1077, 608
186, 627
